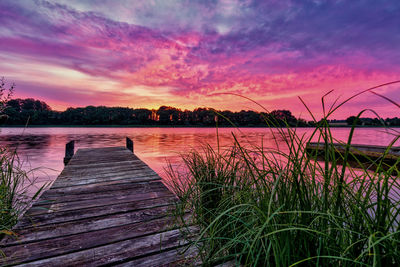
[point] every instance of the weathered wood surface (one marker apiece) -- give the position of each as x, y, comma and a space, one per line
69, 151
360, 156
369, 150
107, 207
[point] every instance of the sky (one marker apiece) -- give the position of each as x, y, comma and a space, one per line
203, 53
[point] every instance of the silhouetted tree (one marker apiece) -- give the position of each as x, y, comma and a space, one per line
281, 117
5, 96
350, 120
38, 112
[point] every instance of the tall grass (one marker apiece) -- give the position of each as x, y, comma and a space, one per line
281, 206
7, 191
15, 183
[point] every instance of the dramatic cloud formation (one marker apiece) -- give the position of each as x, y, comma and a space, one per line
186, 53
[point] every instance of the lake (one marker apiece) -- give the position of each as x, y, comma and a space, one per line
43, 149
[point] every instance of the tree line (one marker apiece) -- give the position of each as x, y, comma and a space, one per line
35, 112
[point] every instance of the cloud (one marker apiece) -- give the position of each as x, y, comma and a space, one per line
189, 49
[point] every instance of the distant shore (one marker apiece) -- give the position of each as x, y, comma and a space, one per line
175, 126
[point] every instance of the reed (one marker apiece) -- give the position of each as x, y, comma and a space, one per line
279, 206
11, 177
15, 186
14, 181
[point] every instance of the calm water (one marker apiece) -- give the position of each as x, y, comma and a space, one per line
43, 148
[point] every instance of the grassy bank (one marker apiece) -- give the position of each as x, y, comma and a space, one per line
14, 181
14, 186
278, 206
8, 183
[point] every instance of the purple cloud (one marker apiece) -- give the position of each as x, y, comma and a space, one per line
204, 47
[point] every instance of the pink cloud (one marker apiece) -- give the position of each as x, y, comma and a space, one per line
92, 58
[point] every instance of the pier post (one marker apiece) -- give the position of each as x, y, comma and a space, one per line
129, 144
69, 151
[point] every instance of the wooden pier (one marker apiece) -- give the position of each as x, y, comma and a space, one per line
107, 207
360, 156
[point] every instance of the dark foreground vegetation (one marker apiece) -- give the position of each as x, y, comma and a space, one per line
20, 111
278, 206
14, 181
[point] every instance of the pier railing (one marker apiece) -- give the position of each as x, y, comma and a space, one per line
69, 151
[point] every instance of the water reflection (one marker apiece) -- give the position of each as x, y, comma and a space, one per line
26, 141
43, 148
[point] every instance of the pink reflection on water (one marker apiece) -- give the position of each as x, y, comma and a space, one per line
42, 149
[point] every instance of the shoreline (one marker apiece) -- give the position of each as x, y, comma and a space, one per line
174, 126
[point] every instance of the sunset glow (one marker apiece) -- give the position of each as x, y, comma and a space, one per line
188, 54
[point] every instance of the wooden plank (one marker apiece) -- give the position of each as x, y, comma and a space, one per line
72, 187
101, 187
78, 164
117, 191
104, 178
103, 171
98, 158
93, 175
112, 149
83, 204
103, 152
99, 161
102, 158
116, 166
145, 193
85, 225
68, 244
369, 157
71, 215
138, 178
174, 257
371, 151
116, 252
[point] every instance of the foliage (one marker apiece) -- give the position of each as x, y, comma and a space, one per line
5, 96
281, 206
19, 111
14, 184
14, 181
39, 113
7, 191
